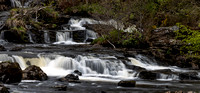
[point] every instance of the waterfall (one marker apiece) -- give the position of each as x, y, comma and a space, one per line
21, 61
58, 65
15, 3
151, 65
91, 66
46, 37
18, 3
64, 36
76, 25
5, 57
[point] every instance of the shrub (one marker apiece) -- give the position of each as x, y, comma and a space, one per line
190, 39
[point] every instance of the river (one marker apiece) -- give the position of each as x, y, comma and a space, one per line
102, 67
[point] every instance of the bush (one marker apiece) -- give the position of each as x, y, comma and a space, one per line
120, 39
190, 39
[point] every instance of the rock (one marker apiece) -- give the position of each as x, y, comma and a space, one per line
148, 75
34, 73
60, 87
5, 5
77, 72
100, 28
70, 78
16, 49
3, 89
164, 71
2, 48
127, 83
10, 72
13, 36
189, 76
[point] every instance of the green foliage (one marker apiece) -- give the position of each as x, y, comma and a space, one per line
120, 39
89, 8
190, 38
51, 11
99, 40
19, 29
131, 16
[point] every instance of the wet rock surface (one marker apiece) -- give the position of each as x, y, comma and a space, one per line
3, 89
60, 88
76, 72
189, 76
100, 28
148, 75
2, 48
34, 73
127, 83
10, 72
70, 78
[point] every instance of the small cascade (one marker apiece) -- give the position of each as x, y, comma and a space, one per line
5, 57
88, 65
165, 72
20, 60
46, 37
15, 3
30, 35
2, 41
75, 33
3, 17
21, 3
64, 36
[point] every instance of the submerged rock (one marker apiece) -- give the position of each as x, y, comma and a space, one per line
148, 75
60, 87
127, 83
3, 89
34, 73
10, 72
189, 76
70, 78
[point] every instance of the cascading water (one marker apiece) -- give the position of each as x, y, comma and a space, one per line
57, 65
90, 66
19, 3
151, 65
76, 25
46, 37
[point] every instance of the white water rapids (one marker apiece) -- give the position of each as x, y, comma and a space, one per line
57, 65
98, 68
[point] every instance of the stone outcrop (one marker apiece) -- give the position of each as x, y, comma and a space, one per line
34, 73
10, 72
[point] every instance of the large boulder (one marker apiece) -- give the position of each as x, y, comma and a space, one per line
70, 78
127, 83
148, 75
10, 72
3, 89
34, 73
